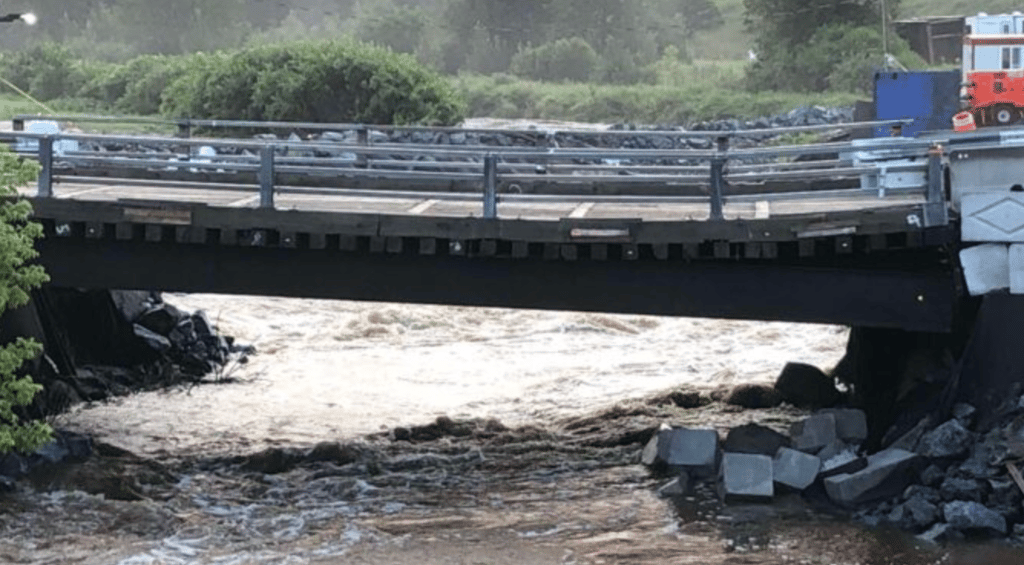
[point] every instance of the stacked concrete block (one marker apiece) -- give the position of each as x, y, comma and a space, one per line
851, 424
814, 433
747, 477
794, 469
887, 474
684, 450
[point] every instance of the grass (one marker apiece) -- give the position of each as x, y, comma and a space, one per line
13, 104
702, 98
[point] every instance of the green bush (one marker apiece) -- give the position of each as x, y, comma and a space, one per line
46, 70
835, 58
562, 60
17, 238
335, 81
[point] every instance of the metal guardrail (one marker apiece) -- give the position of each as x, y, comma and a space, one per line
492, 173
186, 125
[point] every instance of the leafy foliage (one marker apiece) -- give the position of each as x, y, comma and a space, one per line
837, 58
47, 70
562, 60
335, 81
822, 45
17, 278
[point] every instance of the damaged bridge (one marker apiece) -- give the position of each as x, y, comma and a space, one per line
693, 224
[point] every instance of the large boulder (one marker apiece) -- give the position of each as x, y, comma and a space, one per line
807, 386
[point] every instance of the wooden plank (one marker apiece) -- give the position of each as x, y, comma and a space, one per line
488, 248
762, 210
154, 232
457, 248
844, 245
1015, 474
422, 207
348, 243
246, 202
806, 247
317, 241
582, 210
84, 191
124, 231
228, 237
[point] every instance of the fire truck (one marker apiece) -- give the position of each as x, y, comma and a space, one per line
993, 68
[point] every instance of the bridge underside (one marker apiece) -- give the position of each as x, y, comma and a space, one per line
912, 290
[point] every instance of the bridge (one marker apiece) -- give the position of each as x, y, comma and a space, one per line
691, 224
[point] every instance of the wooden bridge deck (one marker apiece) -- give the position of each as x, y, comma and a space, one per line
514, 207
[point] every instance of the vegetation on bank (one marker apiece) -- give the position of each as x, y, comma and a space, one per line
435, 61
502, 97
17, 278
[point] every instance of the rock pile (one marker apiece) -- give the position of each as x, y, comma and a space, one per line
942, 482
617, 136
100, 344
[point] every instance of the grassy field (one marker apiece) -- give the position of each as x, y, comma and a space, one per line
13, 104
680, 104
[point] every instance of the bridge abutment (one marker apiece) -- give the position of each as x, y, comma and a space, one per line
900, 378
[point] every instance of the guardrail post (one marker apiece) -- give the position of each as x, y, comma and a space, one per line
46, 161
363, 139
185, 128
718, 179
491, 186
936, 212
266, 176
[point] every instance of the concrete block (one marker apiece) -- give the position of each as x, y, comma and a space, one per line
888, 473
754, 438
993, 216
832, 449
745, 476
846, 462
986, 268
795, 469
814, 433
851, 424
1016, 266
690, 450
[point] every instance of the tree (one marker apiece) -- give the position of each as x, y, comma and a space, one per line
398, 27
17, 279
793, 22
800, 43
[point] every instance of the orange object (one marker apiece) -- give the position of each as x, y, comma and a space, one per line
964, 121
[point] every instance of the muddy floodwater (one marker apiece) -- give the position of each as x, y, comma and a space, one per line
386, 433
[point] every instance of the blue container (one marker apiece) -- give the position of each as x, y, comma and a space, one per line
930, 98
